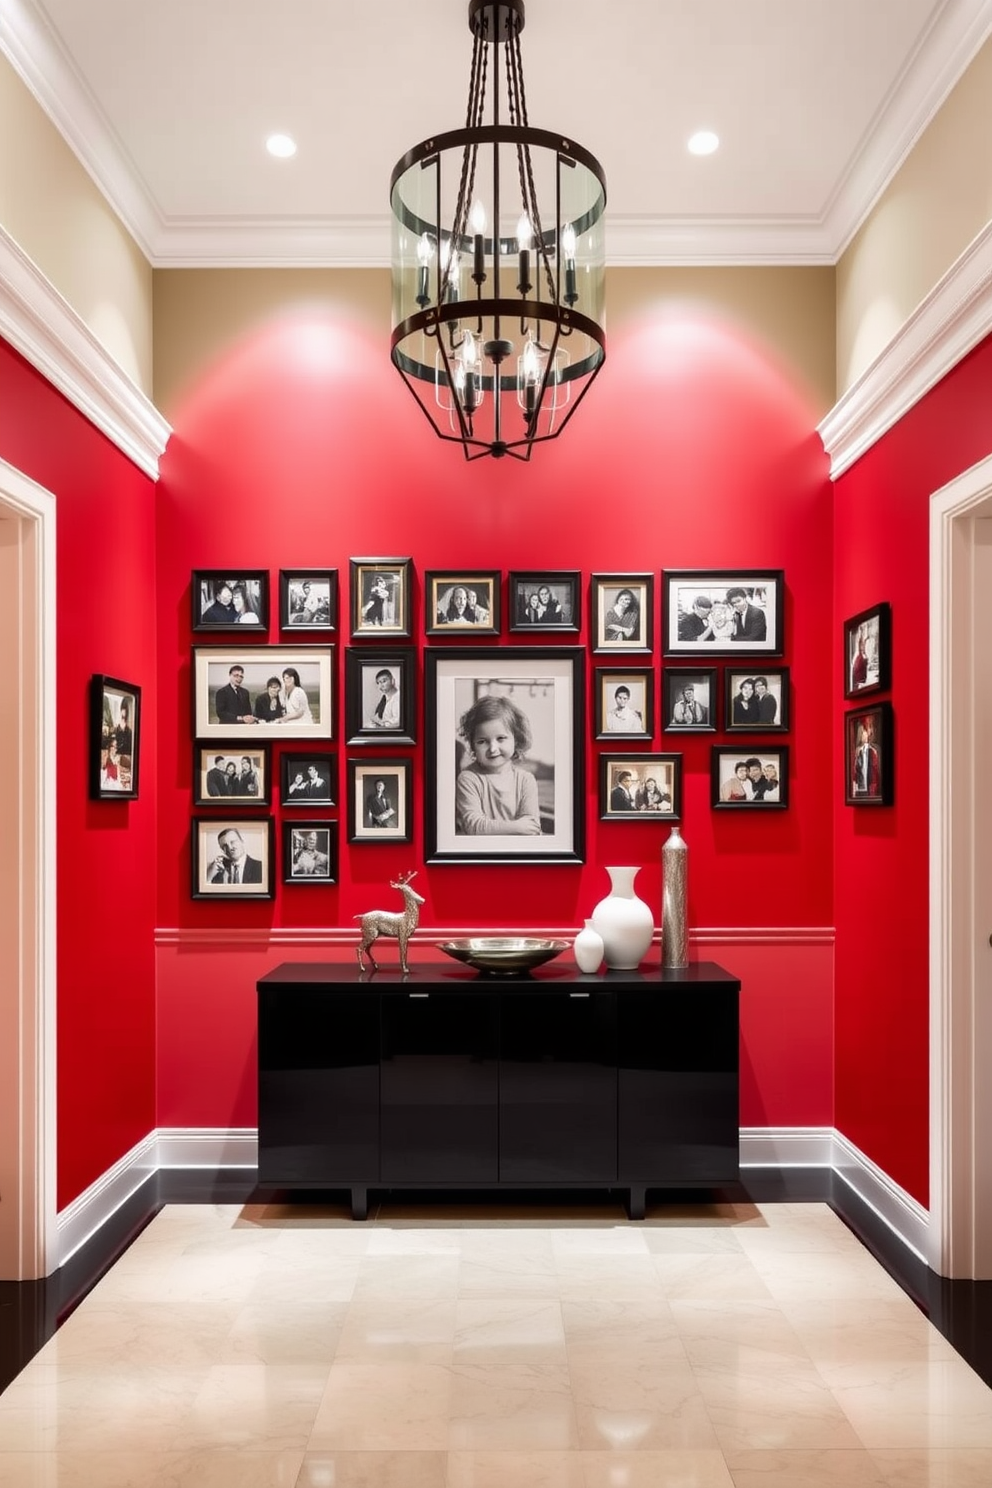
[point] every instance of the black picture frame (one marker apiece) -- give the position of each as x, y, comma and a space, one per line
380, 598
462, 602
115, 738
869, 780
697, 612
756, 700
615, 719
640, 787
365, 700
731, 791
246, 609
220, 776
310, 853
375, 820
622, 625
307, 780
868, 651
213, 674
696, 714
556, 613
546, 686
210, 857
308, 599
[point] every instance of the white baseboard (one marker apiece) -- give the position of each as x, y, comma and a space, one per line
220, 1149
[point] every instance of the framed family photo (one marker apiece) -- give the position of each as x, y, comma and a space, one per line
462, 600
279, 692
708, 611
689, 700
115, 735
640, 787
622, 612
504, 758
624, 703
307, 779
756, 700
543, 599
380, 597
222, 775
757, 778
309, 852
232, 857
379, 696
380, 792
231, 599
868, 651
868, 756
308, 599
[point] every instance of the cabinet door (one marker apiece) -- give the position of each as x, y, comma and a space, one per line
679, 1107
318, 1086
439, 1087
558, 1088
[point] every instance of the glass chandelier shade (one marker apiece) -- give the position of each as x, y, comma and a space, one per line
498, 259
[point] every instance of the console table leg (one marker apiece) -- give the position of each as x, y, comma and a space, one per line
637, 1202
359, 1203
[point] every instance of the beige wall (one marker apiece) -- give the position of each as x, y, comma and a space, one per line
200, 313
54, 212
935, 206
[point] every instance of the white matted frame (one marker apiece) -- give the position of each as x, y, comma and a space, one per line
213, 671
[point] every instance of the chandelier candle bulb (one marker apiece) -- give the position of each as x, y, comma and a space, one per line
425, 252
568, 248
523, 246
478, 243
674, 925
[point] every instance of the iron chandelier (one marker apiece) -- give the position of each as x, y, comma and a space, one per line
498, 259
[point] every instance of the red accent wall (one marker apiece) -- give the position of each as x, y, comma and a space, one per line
694, 449
881, 870
106, 851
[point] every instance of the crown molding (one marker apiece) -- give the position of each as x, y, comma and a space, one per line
43, 327
952, 319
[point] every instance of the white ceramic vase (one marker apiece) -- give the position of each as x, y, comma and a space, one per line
588, 948
624, 922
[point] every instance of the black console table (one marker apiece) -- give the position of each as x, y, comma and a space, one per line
446, 1079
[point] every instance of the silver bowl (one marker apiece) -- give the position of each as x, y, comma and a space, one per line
502, 955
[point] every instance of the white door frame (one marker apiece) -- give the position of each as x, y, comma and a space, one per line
960, 1238
28, 1231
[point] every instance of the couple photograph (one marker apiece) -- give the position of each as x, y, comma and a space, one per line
281, 692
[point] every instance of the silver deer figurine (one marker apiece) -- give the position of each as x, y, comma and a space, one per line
395, 926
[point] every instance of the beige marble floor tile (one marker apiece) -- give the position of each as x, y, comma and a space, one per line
408, 1331
393, 1407
420, 1276
146, 1333
150, 1469
599, 1240
296, 1330
373, 1470
515, 1470
513, 1407
609, 1321
639, 1404
255, 1406
724, 1275
75, 1408
745, 1335
800, 1275
775, 1410
836, 1468
941, 1403
672, 1469
507, 1263
329, 1279
940, 1468
628, 1279
509, 1331
683, 1240
842, 1330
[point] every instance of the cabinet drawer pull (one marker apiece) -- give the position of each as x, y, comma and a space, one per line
579, 994
420, 994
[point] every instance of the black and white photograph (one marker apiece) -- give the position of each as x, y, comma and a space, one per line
709, 611
308, 599
231, 599
868, 756
459, 601
221, 775
640, 787
624, 703
307, 779
756, 700
749, 777
232, 857
379, 800
271, 692
868, 651
544, 599
622, 612
689, 700
309, 852
115, 730
380, 597
504, 759
379, 700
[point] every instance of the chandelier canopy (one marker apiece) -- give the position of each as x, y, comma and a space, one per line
498, 260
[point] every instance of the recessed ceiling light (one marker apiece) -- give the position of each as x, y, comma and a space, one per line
704, 142
281, 146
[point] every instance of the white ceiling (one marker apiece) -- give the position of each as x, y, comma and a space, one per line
169, 102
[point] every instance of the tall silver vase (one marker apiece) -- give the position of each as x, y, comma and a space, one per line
674, 901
